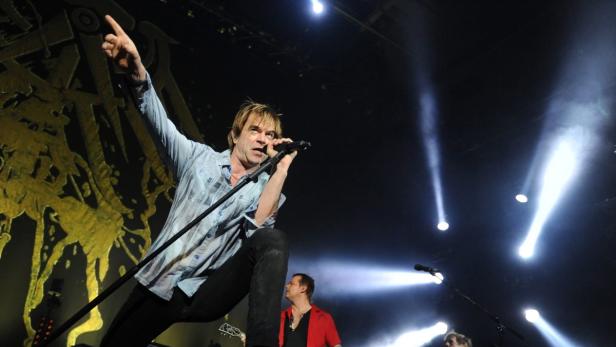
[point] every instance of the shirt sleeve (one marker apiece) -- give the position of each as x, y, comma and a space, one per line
250, 225
176, 148
331, 333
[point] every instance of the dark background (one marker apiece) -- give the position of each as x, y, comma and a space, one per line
363, 193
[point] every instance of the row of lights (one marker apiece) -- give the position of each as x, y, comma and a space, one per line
559, 170
420, 337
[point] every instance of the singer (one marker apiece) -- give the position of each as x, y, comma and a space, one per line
230, 253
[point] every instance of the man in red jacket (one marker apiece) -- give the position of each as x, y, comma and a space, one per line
303, 324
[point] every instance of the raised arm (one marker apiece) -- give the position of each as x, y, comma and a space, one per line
268, 202
122, 50
119, 47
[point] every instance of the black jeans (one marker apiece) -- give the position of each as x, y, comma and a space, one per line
259, 268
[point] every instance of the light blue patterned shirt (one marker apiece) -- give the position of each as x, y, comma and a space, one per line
203, 176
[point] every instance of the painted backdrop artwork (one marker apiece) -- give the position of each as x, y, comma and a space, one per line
75, 157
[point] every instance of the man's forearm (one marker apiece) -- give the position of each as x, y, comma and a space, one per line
175, 145
268, 202
138, 73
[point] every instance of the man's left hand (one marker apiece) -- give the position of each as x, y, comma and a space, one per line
286, 161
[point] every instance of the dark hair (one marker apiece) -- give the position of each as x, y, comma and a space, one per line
307, 281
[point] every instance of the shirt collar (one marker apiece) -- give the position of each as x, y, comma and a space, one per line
224, 161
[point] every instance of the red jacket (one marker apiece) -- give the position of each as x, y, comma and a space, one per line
321, 328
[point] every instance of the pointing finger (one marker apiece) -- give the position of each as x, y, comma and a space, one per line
114, 25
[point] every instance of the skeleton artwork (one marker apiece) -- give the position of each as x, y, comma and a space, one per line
75, 156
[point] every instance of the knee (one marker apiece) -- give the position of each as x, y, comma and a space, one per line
271, 239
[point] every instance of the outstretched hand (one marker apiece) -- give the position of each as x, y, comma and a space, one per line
119, 47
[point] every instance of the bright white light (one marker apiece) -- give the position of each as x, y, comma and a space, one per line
558, 173
521, 198
441, 328
420, 337
429, 133
582, 107
526, 250
442, 226
438, 278
352, 277
552, 336
317, 7
531, 315
404, 278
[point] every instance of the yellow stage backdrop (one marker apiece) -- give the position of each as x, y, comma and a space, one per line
75, 156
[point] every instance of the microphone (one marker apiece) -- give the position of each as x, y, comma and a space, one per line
431, 270
292, 146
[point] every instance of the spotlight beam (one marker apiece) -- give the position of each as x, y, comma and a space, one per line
549, 332
579, 110
558, 173
343, 278
429, 136
420, 337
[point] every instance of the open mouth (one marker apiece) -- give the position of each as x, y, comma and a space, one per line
260, 151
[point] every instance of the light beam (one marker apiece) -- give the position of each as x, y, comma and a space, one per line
420, 337
343, 278
548, 331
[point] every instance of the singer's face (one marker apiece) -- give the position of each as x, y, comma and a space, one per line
257, 133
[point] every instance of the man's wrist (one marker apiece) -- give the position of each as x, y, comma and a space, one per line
138, 80
136, 83
281, 171
138, 76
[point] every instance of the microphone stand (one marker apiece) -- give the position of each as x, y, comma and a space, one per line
270, 163
501, 328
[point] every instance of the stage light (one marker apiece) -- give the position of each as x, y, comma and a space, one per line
531, 315
559, 170
438, 278
429, 134
317, 7
526, 251
343, 278
441, 328
578, 113
521, 198
420, 337
442, 226
549, 332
